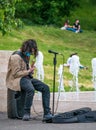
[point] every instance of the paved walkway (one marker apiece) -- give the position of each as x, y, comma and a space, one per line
37, 124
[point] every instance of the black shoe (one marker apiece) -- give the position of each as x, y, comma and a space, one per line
26, 117
47, 117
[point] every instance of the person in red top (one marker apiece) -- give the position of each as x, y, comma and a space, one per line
66, 25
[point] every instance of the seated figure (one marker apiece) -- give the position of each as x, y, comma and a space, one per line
66, 25
76, 26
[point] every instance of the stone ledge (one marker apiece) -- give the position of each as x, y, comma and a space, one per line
63, 105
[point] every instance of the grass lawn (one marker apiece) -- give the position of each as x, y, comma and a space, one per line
65, 42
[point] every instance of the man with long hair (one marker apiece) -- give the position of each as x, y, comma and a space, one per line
20, 78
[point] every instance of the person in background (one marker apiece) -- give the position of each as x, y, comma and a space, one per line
66, 25
76, 26
74, 65
69, 61
20, 78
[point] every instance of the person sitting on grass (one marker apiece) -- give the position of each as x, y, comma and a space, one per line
66, 25
76, 26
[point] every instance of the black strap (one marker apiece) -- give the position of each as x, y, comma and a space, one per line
23, 57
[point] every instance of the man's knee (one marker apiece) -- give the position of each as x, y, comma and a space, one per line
46, 88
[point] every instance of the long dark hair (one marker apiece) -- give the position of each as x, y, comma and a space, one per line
28, 45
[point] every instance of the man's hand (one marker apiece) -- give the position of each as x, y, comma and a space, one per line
31, 70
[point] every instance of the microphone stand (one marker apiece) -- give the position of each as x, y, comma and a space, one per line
54, 62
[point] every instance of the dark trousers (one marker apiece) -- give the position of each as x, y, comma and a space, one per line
29, 85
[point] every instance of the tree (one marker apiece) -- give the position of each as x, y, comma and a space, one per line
45, 11
7, 15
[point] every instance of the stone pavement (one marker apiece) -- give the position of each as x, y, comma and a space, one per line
37, 124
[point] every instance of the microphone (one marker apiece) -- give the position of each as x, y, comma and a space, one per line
50, 51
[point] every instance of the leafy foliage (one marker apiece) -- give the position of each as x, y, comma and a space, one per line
86, 14
45, 11
7, 15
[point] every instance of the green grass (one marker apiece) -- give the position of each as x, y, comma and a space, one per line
55, 39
